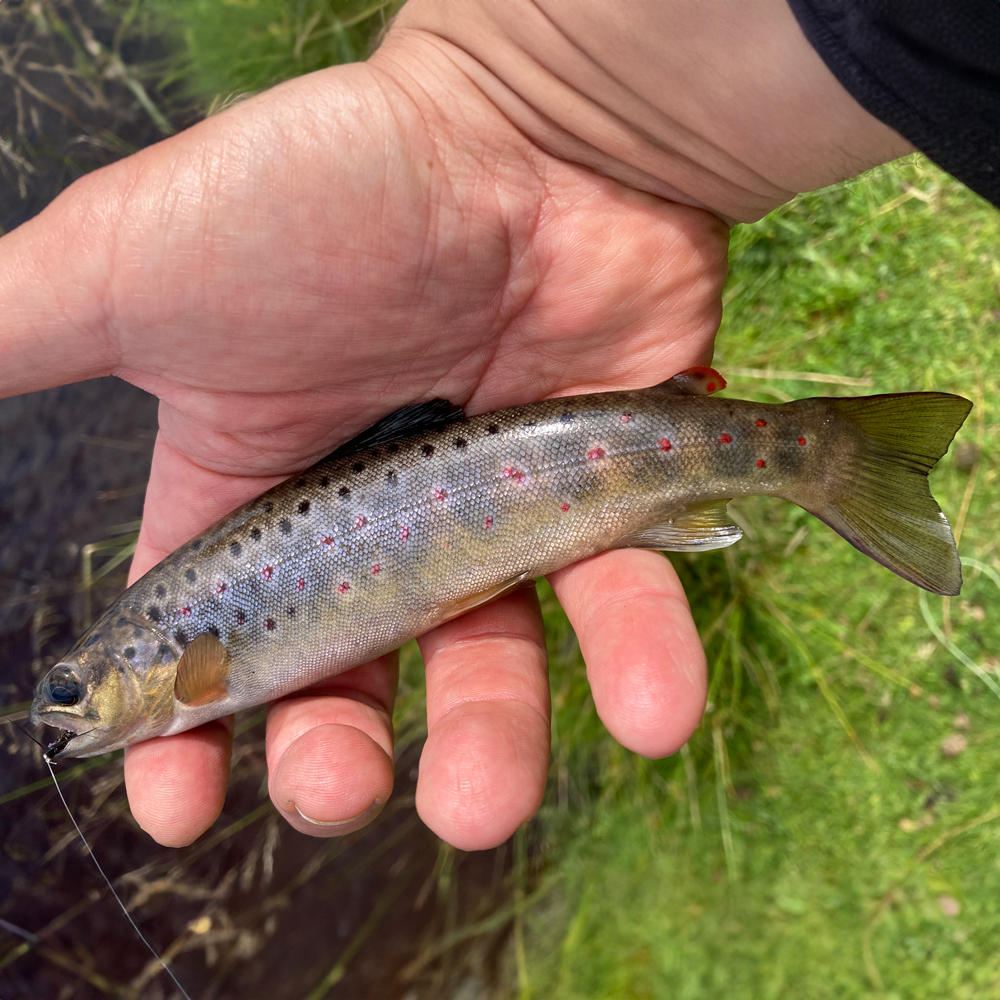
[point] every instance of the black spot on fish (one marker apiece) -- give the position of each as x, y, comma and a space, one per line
460, 442
304, 507
344, 491
427, 449
128, 652
191, 575
181, 637
567, 417
195, 545
236, 549
530, 423
154, 613
214, 630
393, 448
286, 527
391, 478
241, 618
121, 621
300, 483
255, 534
161, 591
493, 429
268, 507
165, 651
91, 640
291, 612
137, 633
324, 482
269, 624
359, 466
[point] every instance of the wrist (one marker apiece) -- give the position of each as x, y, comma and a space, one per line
722, 104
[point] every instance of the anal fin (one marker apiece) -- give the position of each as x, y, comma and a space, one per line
453, 609
202, 671
697, 529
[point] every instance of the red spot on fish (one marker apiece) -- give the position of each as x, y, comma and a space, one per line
326, 540
404, 533
626, 417
710, 387
564, 507
440, 496
376, 569
488, 522
269, 624
300, 584
220, 587
724, 439
267, 572
511, 473
343, 588
802, 441
359, 521
185, 611
761, 423
595, 453
665, 445
761, 463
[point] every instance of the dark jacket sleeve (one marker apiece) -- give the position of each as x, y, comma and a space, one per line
930, 69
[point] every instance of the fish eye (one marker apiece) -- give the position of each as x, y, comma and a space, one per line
63, 686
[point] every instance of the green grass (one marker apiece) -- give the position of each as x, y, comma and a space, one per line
230, 47
818, 834
812, 839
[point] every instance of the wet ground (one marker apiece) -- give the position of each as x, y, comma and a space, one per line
253, 909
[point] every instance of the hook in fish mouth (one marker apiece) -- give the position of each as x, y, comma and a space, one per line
52, 750
59, 744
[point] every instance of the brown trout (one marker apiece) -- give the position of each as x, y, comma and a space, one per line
430, 513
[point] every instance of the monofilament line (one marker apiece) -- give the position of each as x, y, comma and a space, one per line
118, 899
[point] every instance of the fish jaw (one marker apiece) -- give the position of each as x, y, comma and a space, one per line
97, 693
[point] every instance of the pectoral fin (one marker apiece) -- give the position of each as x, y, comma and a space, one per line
697, 529
452, 609
202, 671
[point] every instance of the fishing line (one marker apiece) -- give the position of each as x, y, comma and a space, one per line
118, 899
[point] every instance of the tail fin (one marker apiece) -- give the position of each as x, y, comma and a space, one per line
888, 512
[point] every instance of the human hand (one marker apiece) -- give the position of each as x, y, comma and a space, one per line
287, 272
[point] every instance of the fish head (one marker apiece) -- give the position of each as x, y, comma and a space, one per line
113, 688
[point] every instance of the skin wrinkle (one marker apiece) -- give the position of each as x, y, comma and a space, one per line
307, 718
566, 145
674, 122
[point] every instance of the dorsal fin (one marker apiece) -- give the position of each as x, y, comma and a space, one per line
698, 381
433, 415
202, 671
697, 529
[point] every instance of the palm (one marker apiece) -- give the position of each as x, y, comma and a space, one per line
286, 273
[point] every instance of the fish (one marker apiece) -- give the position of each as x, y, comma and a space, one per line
430, 513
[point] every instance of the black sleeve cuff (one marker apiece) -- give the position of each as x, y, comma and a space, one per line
930, 69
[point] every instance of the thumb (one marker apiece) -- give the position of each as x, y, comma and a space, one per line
55, 272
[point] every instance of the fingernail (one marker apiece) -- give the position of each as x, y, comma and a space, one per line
355, 821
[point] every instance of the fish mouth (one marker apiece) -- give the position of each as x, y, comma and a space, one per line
74, 731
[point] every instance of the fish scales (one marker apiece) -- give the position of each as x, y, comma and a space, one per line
364, 551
